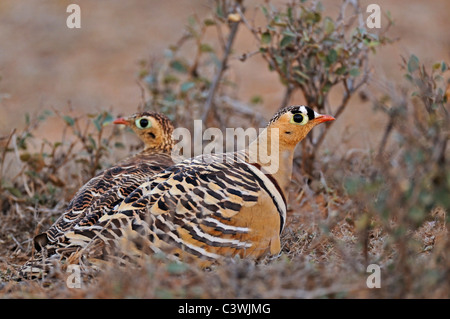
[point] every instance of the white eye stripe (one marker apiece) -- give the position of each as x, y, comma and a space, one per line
303, 109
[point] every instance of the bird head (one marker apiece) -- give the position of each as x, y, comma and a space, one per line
295, 122
154, 129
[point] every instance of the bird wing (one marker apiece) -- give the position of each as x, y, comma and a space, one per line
96, 198
104, 191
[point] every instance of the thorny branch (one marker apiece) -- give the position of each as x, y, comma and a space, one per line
208, 108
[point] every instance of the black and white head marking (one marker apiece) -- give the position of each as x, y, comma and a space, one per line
303, 109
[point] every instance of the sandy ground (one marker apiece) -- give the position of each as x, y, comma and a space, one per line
44, 64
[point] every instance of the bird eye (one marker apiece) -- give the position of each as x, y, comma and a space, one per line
143, 123
299, 119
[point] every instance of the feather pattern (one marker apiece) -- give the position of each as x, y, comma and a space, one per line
190, 208
100, 194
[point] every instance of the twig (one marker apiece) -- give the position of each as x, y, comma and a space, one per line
386, 134
348, 94
16, 152
17, 242
4, 155
237, 106
287, 95
223, 66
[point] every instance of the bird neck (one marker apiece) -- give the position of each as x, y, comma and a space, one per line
273, 156
163, 146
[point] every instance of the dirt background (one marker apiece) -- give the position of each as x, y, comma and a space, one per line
44, 64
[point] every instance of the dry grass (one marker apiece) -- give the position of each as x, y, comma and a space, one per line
325, 254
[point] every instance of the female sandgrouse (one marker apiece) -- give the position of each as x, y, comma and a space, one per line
100, 194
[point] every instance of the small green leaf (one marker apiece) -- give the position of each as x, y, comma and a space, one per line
204, 47
354, 72
306, 37
119, 145
97, 123
278, 22
289, 14
178, 66
286, 40
186, 86
413, 63
170, 78
374, 43
209, 22
328, 25
264, 10
14, 191
326, 87
321, 55
279, 59
219, 12
266, 38
92, 141
331, 57
341, 70
192, 21
69, 120
437, 66
43, 116
409, 77
256, 99
289, 33
312, 17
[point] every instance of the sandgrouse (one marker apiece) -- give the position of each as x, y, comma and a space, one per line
100, 194
212, 206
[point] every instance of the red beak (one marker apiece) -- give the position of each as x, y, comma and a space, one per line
120, 120
324, 118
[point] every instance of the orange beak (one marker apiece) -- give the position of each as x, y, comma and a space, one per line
121, 120
324, 118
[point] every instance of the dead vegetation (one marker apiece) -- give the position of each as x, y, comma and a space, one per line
387, 206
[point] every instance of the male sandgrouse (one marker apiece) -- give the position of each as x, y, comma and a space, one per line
100, 194
215, 205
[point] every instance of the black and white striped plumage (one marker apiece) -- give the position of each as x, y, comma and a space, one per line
100, 194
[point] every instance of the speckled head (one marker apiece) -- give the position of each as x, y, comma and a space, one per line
154, 129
